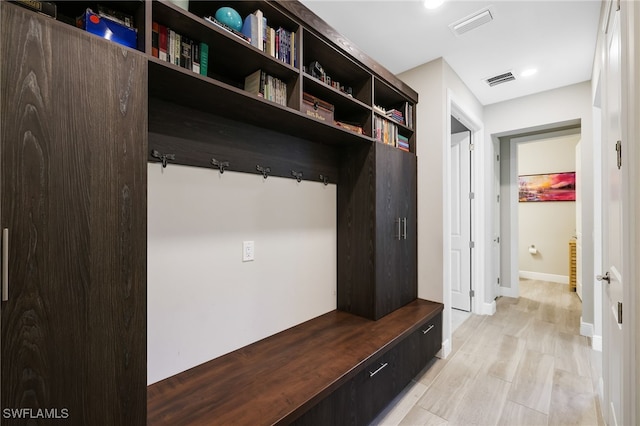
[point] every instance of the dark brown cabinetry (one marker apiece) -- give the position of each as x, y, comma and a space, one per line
361, 399
80, 118
73, 202
377, 246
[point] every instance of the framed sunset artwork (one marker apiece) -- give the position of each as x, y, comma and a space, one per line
547, 187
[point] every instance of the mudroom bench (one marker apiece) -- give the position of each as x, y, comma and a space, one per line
335, 369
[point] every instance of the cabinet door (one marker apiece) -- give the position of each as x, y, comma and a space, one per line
396, 229
73, 199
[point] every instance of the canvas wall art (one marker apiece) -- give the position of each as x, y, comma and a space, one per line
547, 187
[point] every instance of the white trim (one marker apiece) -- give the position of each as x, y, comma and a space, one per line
509, 292
586, 328
445, 351
560, 279
489, 308
596, 343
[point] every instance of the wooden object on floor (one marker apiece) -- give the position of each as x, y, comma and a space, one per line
572, 265
279, 378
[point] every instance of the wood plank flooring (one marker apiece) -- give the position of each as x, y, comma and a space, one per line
527, 365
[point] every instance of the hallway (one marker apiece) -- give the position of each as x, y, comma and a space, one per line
525, 365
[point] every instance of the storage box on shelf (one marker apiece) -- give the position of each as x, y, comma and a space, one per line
73, 12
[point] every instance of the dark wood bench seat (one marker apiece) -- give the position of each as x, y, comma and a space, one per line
280, 378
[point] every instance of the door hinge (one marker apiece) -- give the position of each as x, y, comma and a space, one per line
498, 157
618, 5
498, 280
472, 293
619, 153
472, 196
619, 312
498, 197
472, 244
471, 147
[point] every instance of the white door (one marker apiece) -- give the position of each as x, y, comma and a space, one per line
579, 219
613, 229
460, 222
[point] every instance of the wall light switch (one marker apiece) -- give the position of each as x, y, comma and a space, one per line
248, 251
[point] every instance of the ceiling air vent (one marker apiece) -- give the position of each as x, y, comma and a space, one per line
499, 79
472, 21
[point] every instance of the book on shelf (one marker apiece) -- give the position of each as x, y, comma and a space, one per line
395, 115
250, 29
266, 86
44, 7
180, 50
233, 31
204, 58
155, 39
195, 57
162, 42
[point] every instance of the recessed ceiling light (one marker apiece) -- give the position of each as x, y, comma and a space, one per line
433, 4
529, 72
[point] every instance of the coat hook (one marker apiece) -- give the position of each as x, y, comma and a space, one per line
162, 157
264, 170
324, 179
297, 175
222, 165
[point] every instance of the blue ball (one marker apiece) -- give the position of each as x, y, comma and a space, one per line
229, 17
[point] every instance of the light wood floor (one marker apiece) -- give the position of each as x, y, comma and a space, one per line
525, 365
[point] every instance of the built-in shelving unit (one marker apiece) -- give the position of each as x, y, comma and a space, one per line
188, 118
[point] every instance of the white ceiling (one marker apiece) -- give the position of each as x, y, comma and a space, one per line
556, 37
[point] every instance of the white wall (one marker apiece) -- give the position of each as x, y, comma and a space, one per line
203, 301
548, 226
542, 111
437, 85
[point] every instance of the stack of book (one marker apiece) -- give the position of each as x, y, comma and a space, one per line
395, 115
167, 45
279, 43
265, 86
403, 143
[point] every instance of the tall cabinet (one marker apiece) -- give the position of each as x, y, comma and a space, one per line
73, 207
377, 245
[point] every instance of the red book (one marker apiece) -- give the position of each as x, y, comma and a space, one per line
154, 39
162, 42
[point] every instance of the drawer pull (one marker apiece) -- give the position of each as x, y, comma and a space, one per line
382, 365
428, 329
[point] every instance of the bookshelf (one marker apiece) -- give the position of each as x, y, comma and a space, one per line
231, 60
196, 117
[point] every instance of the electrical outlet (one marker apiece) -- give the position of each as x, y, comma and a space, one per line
248, 251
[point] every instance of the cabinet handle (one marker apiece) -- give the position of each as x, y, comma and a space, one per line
404, 228
428, 329
5, 264
382, 365
399, 236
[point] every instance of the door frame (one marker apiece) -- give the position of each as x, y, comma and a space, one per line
455, 107
630, 65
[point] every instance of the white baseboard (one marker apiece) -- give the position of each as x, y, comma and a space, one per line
489, 308
446, 349
562, 279
586, 328
508, 292
596, 343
